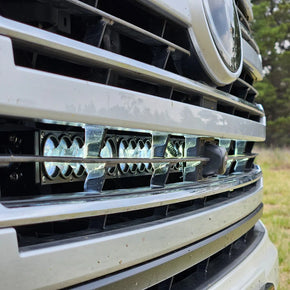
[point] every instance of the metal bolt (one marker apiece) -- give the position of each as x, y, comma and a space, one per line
14, 176
42, 135
43, 179
14, 139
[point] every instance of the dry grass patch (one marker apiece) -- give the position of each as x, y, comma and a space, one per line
275, 164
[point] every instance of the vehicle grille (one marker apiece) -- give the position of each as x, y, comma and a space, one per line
246, 28
107, 73
48, 234
193, 271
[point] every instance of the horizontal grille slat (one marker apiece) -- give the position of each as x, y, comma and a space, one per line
58, 207
246, 30
68, 230
242, 89
244, 21
240, 157
252, 61
247, 36
245, 7
107, 161
130, 29
87, 54
251, 88
159, 114
239, 240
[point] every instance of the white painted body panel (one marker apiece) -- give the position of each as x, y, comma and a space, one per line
255, 271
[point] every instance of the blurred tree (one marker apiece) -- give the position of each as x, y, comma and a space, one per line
272, 33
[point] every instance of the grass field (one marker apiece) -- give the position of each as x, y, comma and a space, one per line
276, 171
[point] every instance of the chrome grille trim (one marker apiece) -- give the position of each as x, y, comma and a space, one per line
242, 88
246, 7
244, 21
174, 14
240, 157
58, 207
149, 113
253, 61
247, 36
107, 161
251, 91
88, 54
174, 263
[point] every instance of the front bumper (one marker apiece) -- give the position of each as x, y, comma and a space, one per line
222, 271
219, 261
263, 262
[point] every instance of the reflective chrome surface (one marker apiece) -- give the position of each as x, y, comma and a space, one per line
253, 61
248, 37
224, 26
87, 53
208, 45
246, 7
117, 107
58, 207
177, 10
168, 266
120, 249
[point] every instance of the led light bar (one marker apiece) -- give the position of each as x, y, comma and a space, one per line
109, 151
49, 150
63, 146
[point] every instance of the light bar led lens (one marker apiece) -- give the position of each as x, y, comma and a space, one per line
123, 153
63, 150
67, 146
77, 150
63, 147
49, 150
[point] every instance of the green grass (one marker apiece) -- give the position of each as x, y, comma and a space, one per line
275, 164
